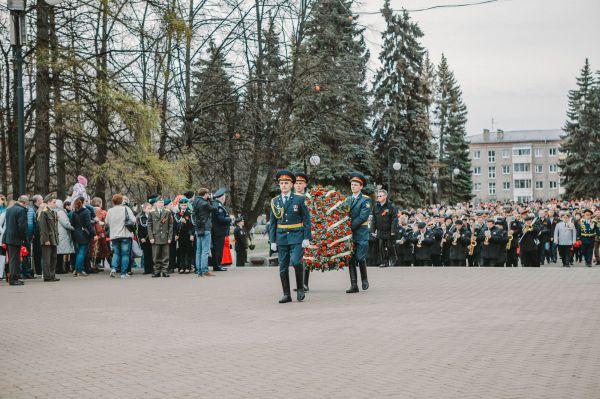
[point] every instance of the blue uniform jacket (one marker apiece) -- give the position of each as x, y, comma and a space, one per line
359, 213
289, 224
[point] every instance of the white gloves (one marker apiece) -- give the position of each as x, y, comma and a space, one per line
273, 247
305, 243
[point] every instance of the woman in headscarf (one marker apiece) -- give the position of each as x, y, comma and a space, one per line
65, 247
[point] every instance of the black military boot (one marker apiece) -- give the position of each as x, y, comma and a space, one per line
306, 276
353, 280
285, 284
363, 275
299, 271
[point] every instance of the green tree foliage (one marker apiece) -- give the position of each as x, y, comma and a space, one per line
582, 137
450, 118
401, 102
330, 118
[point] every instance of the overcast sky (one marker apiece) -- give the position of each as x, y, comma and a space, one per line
515, 59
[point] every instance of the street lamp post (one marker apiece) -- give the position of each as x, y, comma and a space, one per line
18, 39
396, 166
455, 172
434, 192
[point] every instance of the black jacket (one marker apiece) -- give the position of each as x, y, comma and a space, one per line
221, 222
15, 225
82, 226
424, 251
460, 250
241, 239
529, 240
183, 224
496, 243
384, 218
202, 215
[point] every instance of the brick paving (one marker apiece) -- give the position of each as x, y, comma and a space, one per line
417, 333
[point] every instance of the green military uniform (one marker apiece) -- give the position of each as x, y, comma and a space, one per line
160, 229
48, 225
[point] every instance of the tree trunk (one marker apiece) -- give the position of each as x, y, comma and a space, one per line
61, 185
103, 116
42, 101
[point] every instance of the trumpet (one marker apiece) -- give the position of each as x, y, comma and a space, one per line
473, 244
487, 238
510, 238
456, 237
420, 242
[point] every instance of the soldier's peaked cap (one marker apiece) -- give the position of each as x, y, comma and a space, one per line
358, 177
285, 175
219, 193
300, 176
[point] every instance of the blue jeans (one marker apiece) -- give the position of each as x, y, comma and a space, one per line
80, 253
202, 249
121, 253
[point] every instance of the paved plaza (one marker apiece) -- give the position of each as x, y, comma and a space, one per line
417, 333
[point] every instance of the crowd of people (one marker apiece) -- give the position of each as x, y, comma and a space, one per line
485, 234
45, 236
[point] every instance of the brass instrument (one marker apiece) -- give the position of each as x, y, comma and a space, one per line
420, 242
487, 239
473, 244
456, 237
510, 238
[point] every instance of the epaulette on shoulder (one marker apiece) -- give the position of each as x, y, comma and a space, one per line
366, 196
152, 210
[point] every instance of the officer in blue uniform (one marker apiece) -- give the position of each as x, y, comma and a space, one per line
587, 231
289, 233
359, 206
300, 188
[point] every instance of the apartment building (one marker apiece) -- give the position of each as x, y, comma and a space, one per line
520, 165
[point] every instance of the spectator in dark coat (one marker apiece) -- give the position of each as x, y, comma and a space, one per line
83, 232
15, 236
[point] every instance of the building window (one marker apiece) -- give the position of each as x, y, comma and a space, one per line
476, 154
539, 185
476, 186
552, 168
521, 167
491, 156
523, 183
505, 169
523, 199
552, 151
522, 151
506, 185
539, 168
491, 172
538, 152
477, 170
506, 153
492, 188
553, 184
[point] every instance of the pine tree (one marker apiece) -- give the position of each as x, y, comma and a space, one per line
450, 118
332, 100
401, 101
582, 138
214, 115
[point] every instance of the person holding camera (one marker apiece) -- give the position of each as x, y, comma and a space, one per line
202, 211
